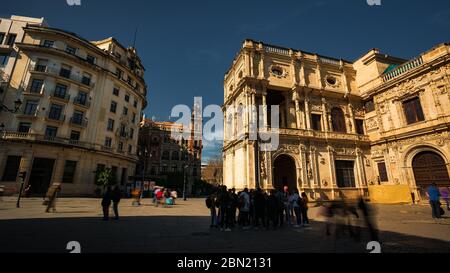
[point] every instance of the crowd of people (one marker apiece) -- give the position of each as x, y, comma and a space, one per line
257, 209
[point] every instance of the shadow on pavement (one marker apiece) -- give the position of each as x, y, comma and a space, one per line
163, 234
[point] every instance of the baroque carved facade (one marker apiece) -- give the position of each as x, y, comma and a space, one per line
343, 126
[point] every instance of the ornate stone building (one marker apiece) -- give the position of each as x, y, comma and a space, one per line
82, 104
339, 121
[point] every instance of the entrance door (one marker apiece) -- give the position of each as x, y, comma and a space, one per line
41, 175
345, 174
430, 167
285, 173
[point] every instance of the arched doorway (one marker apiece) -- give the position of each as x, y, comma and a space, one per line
285, 172
429, 167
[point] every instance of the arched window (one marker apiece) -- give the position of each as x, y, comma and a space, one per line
338, 120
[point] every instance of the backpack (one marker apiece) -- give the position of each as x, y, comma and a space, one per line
209, 202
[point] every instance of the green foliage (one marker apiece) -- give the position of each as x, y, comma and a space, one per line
105, 178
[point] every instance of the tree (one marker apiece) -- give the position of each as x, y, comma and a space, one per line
213, 171
105, 178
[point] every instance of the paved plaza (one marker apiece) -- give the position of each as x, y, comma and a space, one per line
185, 228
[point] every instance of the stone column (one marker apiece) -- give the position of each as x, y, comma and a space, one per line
307, 112
264, 107
288, 111
331, 159
304, 173
325, 122
296, 99
262, 74
352, 122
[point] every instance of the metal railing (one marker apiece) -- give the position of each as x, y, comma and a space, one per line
83, 102
58, 72
82, 122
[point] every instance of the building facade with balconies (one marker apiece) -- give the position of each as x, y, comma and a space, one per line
82, 105
377, 127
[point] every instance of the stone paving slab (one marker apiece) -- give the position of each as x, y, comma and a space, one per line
185, 228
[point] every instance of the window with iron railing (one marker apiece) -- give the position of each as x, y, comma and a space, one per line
36, 86
86, 79
81, 98
65, 72
61, 91
55, 112
51, 132
31, 107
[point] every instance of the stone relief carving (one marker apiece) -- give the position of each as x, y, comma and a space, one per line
372, 124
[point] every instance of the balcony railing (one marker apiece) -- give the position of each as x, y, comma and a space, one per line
29, 113
324, 135
56, 117
276, 50
82, 122
82, 101
62, 96
403, 69
62, 73
330, 61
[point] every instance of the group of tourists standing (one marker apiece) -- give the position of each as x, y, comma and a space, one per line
256, 208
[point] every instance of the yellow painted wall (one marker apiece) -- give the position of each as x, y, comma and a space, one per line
390, 194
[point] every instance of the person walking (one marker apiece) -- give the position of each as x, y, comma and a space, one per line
272, 211
224, 201
444, 194
295, 203
51, 197
116, 196
211, 205
244, 209
106, 203
434, 196
304, 209
260, 204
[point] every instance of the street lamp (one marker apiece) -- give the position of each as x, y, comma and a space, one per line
184, 183
17, 104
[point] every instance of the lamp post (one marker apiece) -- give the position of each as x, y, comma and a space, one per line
184, 182
17, 104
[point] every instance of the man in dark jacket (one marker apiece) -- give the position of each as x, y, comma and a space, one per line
106, 203
116, 195
260, 206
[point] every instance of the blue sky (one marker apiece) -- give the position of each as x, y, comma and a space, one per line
187, 46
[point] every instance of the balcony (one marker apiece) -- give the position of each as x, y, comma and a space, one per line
28, 113
276, 50
403, 69
82, 102
56, 117
62, 73
77, 121
61, 96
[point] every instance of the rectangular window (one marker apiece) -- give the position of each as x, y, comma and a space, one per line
125, 111
65, 71
413, 111
382, 172
90, 59
81, 98
11, 168
4, 59
135, 103
110, 125
131, 133
316, 122
11, 39
123, 130
24, 127
113, 107
86, 79
60, 91
51, 132
119, 73
127, 98
133, 118
31, 108
69, 171
48, 43
71, 50
369, 106
345, 174
359, 123
108, 142
41, 65
75, 135
130, 149
2, 37
78, 117
116, 91
120, 146
55, 112
36, 86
